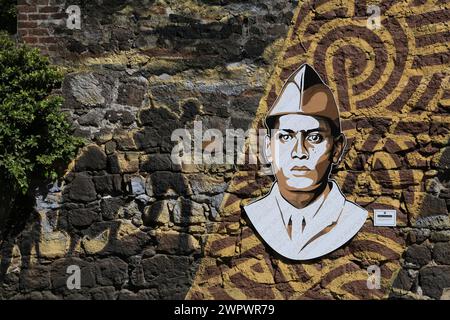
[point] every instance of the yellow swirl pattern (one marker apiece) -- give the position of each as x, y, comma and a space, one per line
390, 83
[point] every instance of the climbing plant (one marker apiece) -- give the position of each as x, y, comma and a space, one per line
34, 133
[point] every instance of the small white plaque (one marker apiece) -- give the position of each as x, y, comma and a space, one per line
384, 218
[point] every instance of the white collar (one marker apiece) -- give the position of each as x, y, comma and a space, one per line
323, 212
288, 210
345, 218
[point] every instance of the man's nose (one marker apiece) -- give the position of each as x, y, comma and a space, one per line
299, 150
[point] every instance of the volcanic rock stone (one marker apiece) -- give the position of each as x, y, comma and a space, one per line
441, 253
174, 282
418, 254
59, 273
110, 184
82, 188
92, 159
81, 218
434, 279
87, 89
111, 271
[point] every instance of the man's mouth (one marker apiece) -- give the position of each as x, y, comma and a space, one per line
300, 168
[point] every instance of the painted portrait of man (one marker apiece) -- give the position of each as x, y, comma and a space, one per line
305, 215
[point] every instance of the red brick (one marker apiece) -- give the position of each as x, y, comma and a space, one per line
22, 17
38, 16
38, 32
47, 40
26, 8
50, 9
26, 24
30, 39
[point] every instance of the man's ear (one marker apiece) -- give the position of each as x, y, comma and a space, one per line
340, 142
267, 149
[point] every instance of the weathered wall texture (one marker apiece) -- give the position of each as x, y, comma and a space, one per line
141, 227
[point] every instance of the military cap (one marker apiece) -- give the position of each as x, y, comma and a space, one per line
305, 93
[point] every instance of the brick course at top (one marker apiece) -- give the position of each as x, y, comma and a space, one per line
36, 21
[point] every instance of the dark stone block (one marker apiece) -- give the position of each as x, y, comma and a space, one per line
108, 184
113, 164
76, 46
82, 188
125, 117
156, 162
123, 37
96, 49
403, 281
433, 206
131, 94
91, 118
170, 274
35, 278
417, 236
162, 181
82, 133
110, 207
81, 218
148, 138
59, 275
254, 47
111, 272
92, 159
434, 279
159, 124
441, 253
418, 254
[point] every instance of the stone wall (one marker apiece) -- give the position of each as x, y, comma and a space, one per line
140, 226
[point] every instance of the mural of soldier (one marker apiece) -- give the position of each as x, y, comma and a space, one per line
305, 215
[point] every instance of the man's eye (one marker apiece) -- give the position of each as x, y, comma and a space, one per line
284, 137
314, 138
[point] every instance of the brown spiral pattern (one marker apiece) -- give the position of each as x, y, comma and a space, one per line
389, 84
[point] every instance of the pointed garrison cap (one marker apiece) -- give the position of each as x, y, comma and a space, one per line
305, 93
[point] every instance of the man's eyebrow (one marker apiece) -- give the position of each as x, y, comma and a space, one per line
315, 130
305, 131
287, 130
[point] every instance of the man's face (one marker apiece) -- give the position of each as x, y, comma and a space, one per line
302, 149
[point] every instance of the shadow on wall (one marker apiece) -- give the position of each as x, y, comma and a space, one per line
122, 216
426, 269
